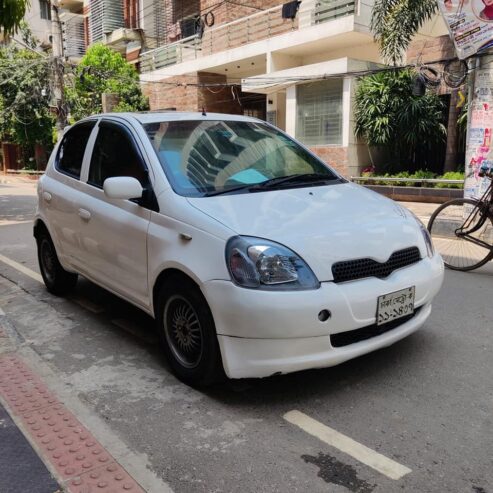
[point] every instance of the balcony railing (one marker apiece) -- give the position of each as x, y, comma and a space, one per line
328, 10
249, 29
171, 54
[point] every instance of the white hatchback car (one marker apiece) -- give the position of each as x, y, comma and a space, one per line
253, 255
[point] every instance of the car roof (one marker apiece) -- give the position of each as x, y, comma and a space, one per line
160, 116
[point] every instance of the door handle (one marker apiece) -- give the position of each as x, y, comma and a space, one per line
84, 214
47, 196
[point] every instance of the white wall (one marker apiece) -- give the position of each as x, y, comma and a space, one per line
41, 28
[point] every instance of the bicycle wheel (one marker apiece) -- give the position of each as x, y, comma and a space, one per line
461, 253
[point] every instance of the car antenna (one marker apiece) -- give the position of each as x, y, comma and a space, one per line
203, 112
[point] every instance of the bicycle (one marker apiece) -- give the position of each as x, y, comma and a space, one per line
462, 229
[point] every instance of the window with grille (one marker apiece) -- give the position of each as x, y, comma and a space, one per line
45, 9
319, 113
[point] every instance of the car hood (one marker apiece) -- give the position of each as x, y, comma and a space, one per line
323, 224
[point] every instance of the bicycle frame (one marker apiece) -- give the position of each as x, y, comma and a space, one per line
483, 207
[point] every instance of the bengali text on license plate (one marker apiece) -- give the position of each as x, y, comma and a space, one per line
395, 305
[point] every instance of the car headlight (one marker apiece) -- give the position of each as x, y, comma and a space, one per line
430, 249
262, 264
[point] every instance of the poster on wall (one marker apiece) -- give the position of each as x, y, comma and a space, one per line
479, 149
470, 23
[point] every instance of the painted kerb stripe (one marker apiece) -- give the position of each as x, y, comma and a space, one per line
21, 268
351, 447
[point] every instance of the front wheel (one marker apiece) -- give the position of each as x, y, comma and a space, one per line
188, 333
460, 252
57, 280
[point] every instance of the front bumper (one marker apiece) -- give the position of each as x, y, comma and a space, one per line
263, 332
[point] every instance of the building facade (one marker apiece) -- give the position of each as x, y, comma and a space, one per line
273, 65
293, 64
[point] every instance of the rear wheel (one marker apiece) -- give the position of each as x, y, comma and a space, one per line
188, 333
57, 280
461, 252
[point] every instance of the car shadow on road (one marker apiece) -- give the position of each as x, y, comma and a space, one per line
381, 367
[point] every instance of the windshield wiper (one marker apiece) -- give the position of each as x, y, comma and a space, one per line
228, 190
274, 182
299, 178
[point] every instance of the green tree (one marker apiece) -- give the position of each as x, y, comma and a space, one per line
11, 14
395, 22
388, 116
103, 70
24, 91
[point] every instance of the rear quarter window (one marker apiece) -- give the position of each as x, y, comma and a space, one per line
72, 149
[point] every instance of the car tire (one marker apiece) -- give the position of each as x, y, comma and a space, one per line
188, 334
57, 280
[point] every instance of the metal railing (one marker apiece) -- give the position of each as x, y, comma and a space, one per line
423, 181
249, 29
327, 10
22, 172
170, 54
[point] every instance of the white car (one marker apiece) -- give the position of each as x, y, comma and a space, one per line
254, 257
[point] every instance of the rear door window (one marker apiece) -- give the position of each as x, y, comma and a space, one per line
72, 149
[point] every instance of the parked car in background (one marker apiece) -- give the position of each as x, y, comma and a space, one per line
254, 256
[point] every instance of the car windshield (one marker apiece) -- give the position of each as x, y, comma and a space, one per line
210, 157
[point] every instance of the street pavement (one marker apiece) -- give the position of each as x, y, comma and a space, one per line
424, 404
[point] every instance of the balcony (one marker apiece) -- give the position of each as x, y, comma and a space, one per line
120, 38
254, 28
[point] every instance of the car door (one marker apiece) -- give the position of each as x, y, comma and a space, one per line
61, 189
113, 233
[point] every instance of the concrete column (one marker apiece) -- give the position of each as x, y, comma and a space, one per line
479, 149
346, 111
109, 101
291, 110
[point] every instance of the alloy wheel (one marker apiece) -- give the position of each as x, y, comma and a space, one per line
183, 331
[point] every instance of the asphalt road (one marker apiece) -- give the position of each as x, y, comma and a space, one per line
426, 402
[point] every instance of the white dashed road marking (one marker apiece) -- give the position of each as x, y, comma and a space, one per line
21, 268
351, 447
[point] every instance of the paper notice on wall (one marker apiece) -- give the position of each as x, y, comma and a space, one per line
479, 150
470, 23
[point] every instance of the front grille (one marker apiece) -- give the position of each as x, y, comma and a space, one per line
352, 336
349, 270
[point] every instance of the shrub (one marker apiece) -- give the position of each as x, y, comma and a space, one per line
419, 175
390, 117
451, 175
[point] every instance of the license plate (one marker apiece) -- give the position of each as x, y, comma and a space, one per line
395, 305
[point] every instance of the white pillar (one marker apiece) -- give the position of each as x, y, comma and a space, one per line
346, 111
291, 111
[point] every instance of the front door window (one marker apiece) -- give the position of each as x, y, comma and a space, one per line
115, 154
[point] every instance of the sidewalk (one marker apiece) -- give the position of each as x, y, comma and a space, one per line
422, 210
45, 448
16, 179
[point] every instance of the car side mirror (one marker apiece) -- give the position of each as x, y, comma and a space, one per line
122, 187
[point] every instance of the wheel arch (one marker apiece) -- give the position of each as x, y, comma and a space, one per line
39, 227
168, 275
